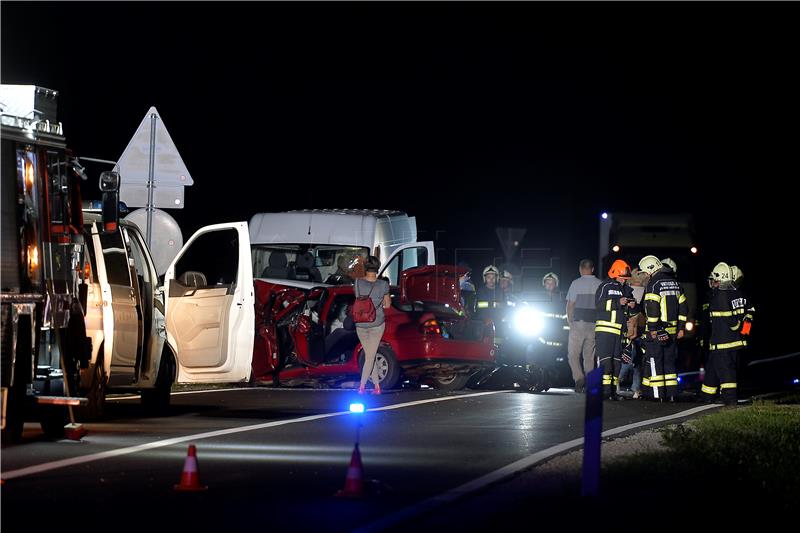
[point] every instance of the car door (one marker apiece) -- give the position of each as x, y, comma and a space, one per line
407, 256
209, 305
120, 312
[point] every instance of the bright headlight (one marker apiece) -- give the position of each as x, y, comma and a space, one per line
528, 321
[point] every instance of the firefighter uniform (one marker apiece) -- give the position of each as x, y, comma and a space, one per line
727, 310
610, 327
666, 312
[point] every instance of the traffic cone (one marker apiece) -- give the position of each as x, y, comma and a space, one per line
190, 478
354, 482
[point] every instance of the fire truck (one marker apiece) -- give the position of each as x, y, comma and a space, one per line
43, 296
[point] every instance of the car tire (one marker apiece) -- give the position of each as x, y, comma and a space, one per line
388, 367
96, 394
156, 400
17, 396
453, 382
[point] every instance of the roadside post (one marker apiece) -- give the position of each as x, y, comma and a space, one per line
593, 427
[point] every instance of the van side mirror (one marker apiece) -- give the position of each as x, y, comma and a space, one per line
109, 185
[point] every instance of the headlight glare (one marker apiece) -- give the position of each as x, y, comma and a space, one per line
528, 321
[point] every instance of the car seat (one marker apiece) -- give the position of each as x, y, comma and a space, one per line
277, 266
192, 279
304, 269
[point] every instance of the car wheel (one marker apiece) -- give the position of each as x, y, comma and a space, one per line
452, 382
388, 368
156, 400
96, 395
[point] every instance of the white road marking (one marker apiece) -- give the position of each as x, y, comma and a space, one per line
53, 465
507, 471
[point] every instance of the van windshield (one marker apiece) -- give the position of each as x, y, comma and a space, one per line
318, 263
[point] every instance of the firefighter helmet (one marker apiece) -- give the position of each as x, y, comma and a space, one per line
721, 272
620, 269
649, 264
550, 275
736, 274
672, 264
507, 275
491, 269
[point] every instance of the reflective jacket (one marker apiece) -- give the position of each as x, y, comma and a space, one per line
611, 316
665, 303
727, 308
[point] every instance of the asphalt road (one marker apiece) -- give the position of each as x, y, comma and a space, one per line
269, 464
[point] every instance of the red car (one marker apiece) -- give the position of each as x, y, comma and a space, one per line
304, 337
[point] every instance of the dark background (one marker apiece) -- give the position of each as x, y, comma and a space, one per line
469, 116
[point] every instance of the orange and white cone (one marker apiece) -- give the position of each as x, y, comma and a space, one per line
190, 478
354, 482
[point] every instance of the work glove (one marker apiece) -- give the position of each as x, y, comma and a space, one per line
662, 336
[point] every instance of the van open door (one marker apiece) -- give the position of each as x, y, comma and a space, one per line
209, 305
410, 255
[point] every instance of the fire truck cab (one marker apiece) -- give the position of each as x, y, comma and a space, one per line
44, 342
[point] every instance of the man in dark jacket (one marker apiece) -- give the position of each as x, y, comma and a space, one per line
727, 309
666, 311
611, 302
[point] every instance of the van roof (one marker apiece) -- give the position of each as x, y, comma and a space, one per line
351, 227
358, 212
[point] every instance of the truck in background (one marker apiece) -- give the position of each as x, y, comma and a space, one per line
43, 297
631, 236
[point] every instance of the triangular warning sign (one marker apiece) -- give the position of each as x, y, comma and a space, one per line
168, 167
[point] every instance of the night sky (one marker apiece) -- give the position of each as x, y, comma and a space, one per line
469, 116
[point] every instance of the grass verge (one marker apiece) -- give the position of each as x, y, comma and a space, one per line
750, 453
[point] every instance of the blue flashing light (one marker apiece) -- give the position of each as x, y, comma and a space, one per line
604, 216
356, 407
796, 381
679, 379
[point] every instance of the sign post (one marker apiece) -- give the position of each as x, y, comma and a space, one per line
593, 427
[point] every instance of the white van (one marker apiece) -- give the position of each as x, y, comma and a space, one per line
311, 245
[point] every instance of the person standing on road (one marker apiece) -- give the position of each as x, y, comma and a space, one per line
490, 293
371, 333
611, 301
727, 308
666, 311
632, 345
581, 317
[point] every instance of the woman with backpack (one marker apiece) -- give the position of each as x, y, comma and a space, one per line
372, 297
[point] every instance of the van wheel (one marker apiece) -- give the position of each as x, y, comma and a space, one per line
388, 368
96, 394
16, 401
451, 382
156, 400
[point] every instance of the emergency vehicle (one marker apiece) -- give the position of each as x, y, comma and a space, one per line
43, 297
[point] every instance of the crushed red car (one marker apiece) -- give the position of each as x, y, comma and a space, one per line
305, 337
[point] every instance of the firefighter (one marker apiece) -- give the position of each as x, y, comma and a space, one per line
670, 263
609, 330
550, 284
490, 292
507, 286
726, 312
555, 333
737, 277
666, 313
